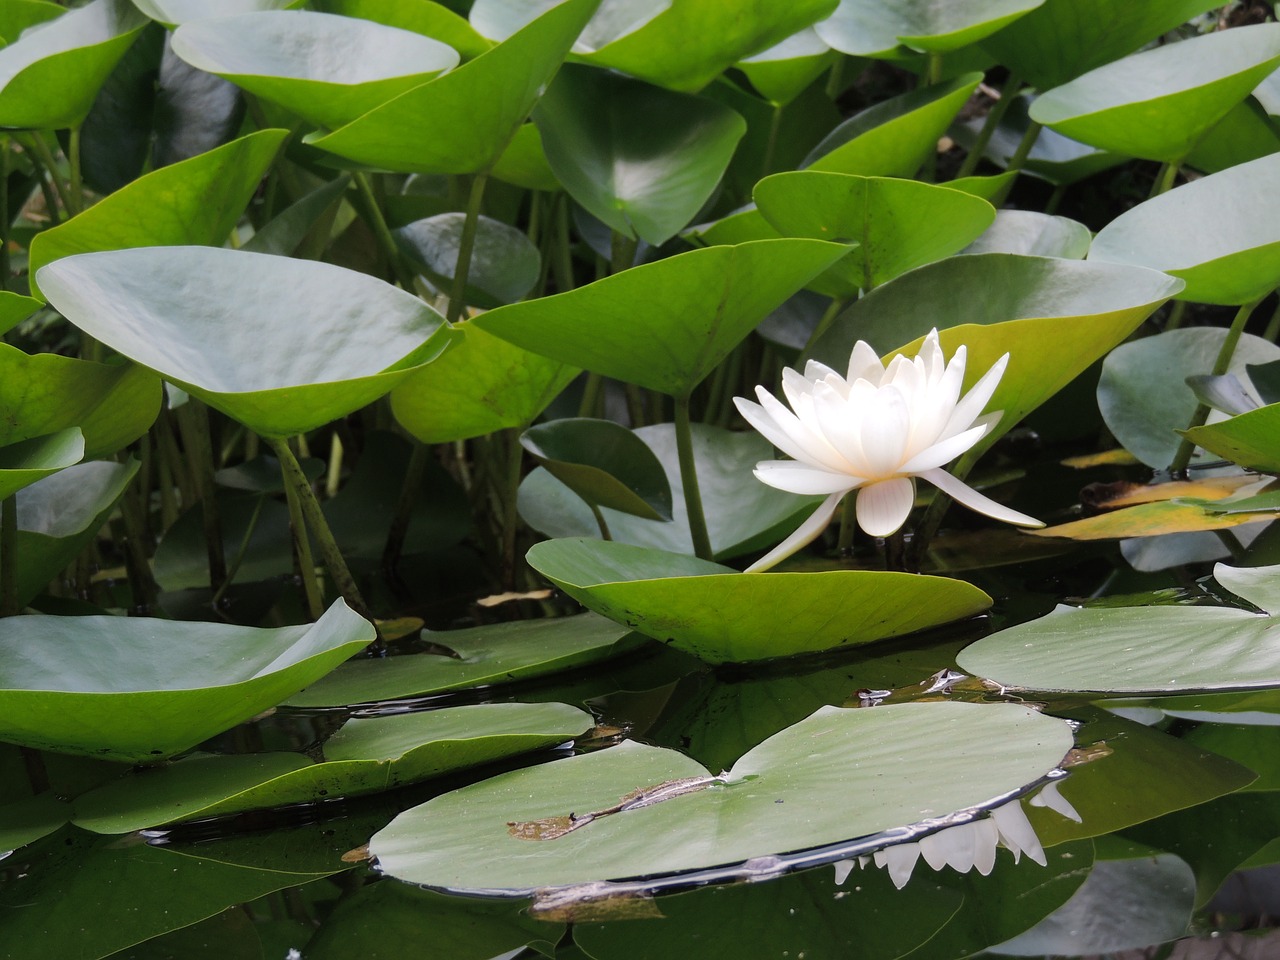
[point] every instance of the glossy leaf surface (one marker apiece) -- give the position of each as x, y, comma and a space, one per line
504, 263
281, 345
25, 462
421, 16
66, 687
870, 28
174, 12
720, 615
1250, 439
782, 72
1032, 234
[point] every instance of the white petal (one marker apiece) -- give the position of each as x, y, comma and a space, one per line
783, 429
988, 838
843, 869
1055, 801
976, 400
864, 363
815, 370
900, 859
944, 451
1016, 832
937, 404
961, 492
795, 477
884, 430
883, 506
953, 846
795, 385
840, 422
804, 535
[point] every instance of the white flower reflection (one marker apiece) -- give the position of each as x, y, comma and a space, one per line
874, 431
972, 845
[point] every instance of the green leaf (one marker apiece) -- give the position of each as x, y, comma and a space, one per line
326, 68
140, 690
14, 308
302, 229
504, 263
50, 76
604, 463
642, 159
872, 28
25, 462
1218, 233
1265, 378
1062, 39
495, 654
1053, 317
893, 138
29, 820
18, 15
1142, 392
463, 121
1245, 133
1251, 439
181, 560
720, 615
665, 325
480, 385
363, 756
742, 513
1252, 745
1138, 650
172, 13
524, 162
782, 72
113, 404
1158, 104
898, 224
905, 763
420, 16
58, 515
197, 201
282, 345
1032, 234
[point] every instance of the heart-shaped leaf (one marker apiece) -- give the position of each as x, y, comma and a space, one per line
326, 68
897, 224
1251, 439
14, 308
720, 615
1032, 234
140, 690
50, 76
604, 463
906, 763
1142, 649
872, 28
642, 159
1158, 104
282, 345
196, 201
782, 72
25, 462
1218, 233
665, 325
462, 122
363, 756
504, 262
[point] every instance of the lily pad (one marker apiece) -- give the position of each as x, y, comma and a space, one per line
897, 224
1032, 234
364, 756
29, 820
326, 68
480, 385
487, 655
720, 615
196, 201
463, 121
873, 28
1158, 104
665, 325
1142, 649
604, 463
905, 763
27, 461
1251, 439
1218, 233
51, 74
641, 159
504, 263
140, 690
742, 513
282, 345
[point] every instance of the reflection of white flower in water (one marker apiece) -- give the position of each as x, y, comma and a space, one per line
874, 431
972, 845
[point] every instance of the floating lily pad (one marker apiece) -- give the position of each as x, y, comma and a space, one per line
196, 201
873, 28
485, 655
1032, 234
463, 121
720, 615
1143, 649
1218, 233
27, 461
282, 345
665, 325
364, 756
897, 224
29, 820
1158, 104
504, 262
1251, 439
641, 159
904, 763
140, 690
50, 76
326, 68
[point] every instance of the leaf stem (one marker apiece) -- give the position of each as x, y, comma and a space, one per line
193, 421
510, 515
689, 480
466, 246
45, 155
1168, 173
73, 162
8, 556
373, 214
399, 530
998, 109
302, 550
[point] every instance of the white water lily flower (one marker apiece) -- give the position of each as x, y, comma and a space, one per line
875, 431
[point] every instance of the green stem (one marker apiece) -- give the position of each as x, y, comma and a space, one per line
1168, 173
928, 526
622, 252
45, 155
73, 162
932, 73
141, 581
1029, 137
297, 480
373, 214
1273, 325
6, 225
590, 405
193, 421
771, 145
689, 480
510, 515
835, 79
302, 550
824, 323
604, 527
1055, 198
998, 109
466, 246
1176, 314
413, 475
1220, 365
848, 526
562, 260
243, 551
8, 557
